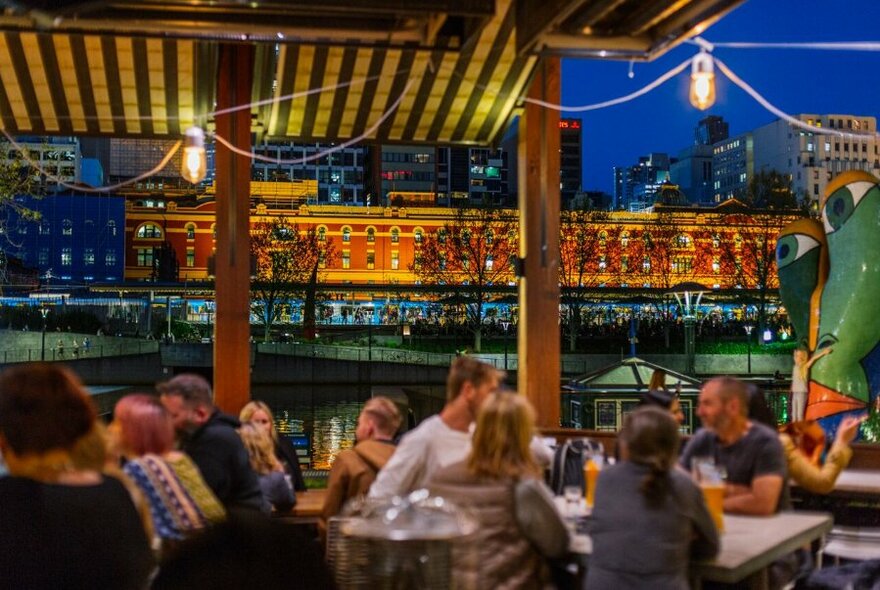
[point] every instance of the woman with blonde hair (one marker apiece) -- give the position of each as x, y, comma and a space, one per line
260, 414
277, 491
499, 483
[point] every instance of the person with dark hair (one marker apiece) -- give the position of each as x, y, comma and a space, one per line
61, 525
209, 437
663, 399
644, 502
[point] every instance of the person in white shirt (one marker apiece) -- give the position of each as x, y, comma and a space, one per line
442, 439
445, 438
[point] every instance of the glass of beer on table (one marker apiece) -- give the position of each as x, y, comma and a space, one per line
710, 478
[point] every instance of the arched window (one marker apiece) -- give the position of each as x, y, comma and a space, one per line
67, 228
603, 237
624, 239
371, 235
441, 235
322, 234
418, 235
346, 235
683, 241
149, 230
190, 231
395, 235
111, 227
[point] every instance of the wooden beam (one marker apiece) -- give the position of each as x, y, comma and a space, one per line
538, 328
232, 378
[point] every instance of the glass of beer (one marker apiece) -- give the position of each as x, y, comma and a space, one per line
711, 481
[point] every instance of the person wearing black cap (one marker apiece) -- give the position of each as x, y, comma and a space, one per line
663, 399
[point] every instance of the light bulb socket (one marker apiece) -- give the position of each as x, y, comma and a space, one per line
702, 64
194, 137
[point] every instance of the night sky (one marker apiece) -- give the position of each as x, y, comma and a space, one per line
796, 81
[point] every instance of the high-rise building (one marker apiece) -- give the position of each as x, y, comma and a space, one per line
479, 175
57, 156
635, 186
692, 172
711, 130
732, 166
340, 174
811, 159
570, 160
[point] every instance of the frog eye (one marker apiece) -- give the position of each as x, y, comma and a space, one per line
793, 246
842, 203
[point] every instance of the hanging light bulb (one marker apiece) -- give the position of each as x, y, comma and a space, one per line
194, 164
702, 93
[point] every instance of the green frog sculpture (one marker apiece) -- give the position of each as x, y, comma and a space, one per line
829, 275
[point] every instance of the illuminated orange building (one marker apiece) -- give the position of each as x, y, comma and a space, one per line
724, 247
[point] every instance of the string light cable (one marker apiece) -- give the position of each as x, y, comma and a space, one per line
822, 46
87, 189
366, 134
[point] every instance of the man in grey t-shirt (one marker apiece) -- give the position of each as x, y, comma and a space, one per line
750, 452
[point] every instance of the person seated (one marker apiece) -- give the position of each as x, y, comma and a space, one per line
142, 436
500, 484
803, 443
644, 502
260, 414
277, 491
750, 453
354, 470
61, 526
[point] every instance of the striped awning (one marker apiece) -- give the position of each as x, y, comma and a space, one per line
61, 75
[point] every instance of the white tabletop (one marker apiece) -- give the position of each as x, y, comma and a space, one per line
750, 543
858, 481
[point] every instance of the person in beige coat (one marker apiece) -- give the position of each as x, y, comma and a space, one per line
354, 470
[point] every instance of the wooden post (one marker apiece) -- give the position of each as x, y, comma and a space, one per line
232, 370
538, 328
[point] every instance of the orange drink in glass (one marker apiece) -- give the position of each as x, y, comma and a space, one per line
591, 474
713, 493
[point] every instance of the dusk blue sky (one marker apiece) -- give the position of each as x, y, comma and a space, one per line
796, 81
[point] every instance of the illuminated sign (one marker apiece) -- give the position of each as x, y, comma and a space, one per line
569, 124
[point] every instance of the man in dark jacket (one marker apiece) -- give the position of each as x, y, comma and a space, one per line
208, 436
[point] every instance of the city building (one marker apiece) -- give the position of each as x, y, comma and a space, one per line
711, 130
635, 186
378, 245
58, 156
810, 159
570, 160
692, 172
402, 175
78, 238
733, 164
339, 175
472, 177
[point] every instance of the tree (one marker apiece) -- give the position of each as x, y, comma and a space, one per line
287, 263
589, 248
473, 250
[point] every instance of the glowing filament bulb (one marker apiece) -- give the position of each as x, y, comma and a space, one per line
194, 164
702, 93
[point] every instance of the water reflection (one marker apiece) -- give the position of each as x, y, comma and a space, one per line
327, 415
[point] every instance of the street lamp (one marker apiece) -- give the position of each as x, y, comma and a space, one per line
748, 328
688, 296
44, 311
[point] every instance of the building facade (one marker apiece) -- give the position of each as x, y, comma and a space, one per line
635, 186
570, 160
57, 156
78, 238
692, 172
733, 164
810, 159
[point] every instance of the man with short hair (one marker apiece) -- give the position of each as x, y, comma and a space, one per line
442, 439
750, 452
354, 470
209, 437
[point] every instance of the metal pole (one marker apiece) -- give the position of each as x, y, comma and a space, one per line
749, 351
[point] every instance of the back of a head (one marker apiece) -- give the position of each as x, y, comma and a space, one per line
43, 407
759, 410
260, 448
194, 389
384, 414
658, 380
657, 397
505, 426
465, 369
650, 437
144, 425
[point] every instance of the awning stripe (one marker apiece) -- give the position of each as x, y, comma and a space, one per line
355, 92
62, 50
89, 90
186, 99
319, 66
374, 73
401, 117
399, 82
169, 72
25, 83
281, 111
13, 89
418, 107
325, 101
114, 87
55, 82
346, 73
507, 98
141, 68
156, 80
33, 63
6, 111
300, 84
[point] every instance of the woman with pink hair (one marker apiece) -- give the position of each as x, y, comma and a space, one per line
180, 500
